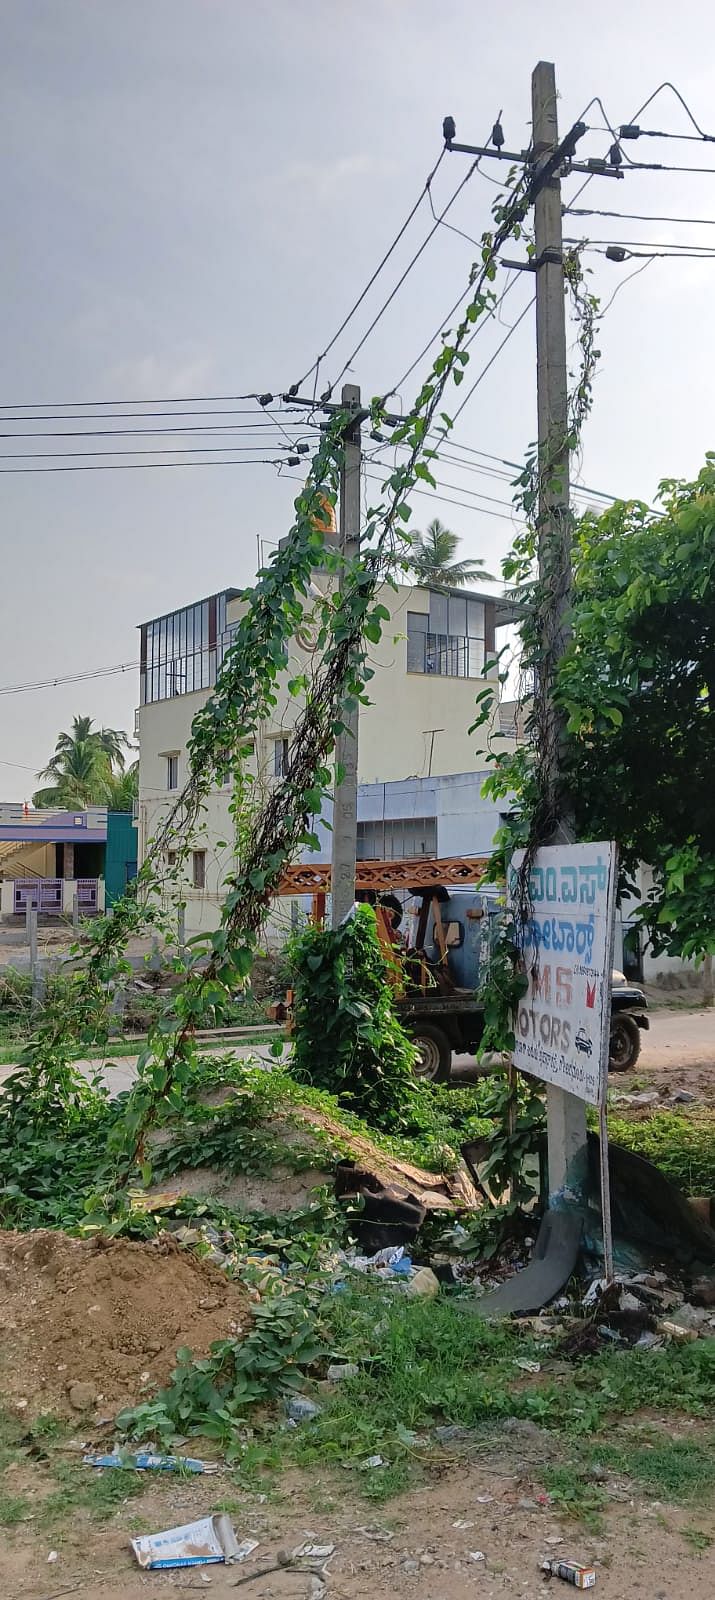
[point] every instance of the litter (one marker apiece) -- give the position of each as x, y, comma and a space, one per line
674, 1331
210, 1539
313, 1552
144, 1461
424, 1283
338, 1371
461, 1524
573, 1572
477, 1555
484, 1499
390, 1260
371, 1462
528, 1366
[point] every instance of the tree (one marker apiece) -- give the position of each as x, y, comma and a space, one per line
82, 769
433, 560
122, 789
637, 684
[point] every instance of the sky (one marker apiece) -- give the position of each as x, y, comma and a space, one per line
194, 194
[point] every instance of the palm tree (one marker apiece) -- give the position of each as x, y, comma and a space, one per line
433, 560
122, 789
82, 767
111, 741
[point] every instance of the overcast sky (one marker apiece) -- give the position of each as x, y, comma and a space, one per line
194, 193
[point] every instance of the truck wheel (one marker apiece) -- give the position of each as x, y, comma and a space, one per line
625, 1044
434, 1061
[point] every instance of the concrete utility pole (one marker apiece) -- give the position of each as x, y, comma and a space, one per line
345, 800
566, 1114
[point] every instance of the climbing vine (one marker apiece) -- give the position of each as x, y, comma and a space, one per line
348, 617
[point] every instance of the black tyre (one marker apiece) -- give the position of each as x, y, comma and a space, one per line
435, 1053
624, 1044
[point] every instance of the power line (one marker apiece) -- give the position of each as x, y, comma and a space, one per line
319, 359
442, 326
647, 263
146, 466
163, 400
404, 275
126, 416
182, 449
637, 216
126, 433
604, 248
492, 359
668, 85
72, 677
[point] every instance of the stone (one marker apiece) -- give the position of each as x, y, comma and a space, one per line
82, 1396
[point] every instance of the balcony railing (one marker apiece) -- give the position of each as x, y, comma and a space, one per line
446, 655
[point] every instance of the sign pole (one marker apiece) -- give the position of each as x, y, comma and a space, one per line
602, 1105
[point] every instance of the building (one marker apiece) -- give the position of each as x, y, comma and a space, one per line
47, 858
428, 669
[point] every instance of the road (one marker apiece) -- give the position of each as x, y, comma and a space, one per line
678, 1052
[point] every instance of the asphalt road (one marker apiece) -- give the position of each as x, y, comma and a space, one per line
678, 1049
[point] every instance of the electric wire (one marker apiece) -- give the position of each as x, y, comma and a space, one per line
492, 359
71, 677
320, 359
637, 216
388, 302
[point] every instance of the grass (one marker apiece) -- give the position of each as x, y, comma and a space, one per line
426, 1363
98, 1493
683, 1147
680, 1470
14, 1508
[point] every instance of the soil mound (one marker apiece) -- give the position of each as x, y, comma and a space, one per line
107, 1315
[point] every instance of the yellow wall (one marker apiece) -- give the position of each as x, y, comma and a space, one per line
32, 860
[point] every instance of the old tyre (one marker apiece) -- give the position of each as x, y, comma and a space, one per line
434, 1062
624, 1044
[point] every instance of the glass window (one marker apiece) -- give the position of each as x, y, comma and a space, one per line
280, 757
172, 772
457, 612
475, 619
198, 869
438, 613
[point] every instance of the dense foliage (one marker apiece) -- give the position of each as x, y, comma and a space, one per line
637, 685
348, 1037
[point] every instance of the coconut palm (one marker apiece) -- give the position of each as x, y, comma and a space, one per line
433, 560
83, 766
122, 789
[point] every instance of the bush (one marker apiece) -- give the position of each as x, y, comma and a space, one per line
347, 1035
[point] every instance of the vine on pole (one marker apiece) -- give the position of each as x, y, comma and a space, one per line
266, 837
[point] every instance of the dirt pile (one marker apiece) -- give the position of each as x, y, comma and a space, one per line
106, 1315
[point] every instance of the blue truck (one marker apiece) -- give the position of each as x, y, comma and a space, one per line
446, 937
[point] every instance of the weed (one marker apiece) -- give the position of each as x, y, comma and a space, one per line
14, 1508
97, 1493
697, 1539
577, 1493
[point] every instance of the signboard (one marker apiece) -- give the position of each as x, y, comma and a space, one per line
562, 1021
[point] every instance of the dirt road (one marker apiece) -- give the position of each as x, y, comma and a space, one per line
474, 1529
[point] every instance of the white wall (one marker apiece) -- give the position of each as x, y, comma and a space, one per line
397, 741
